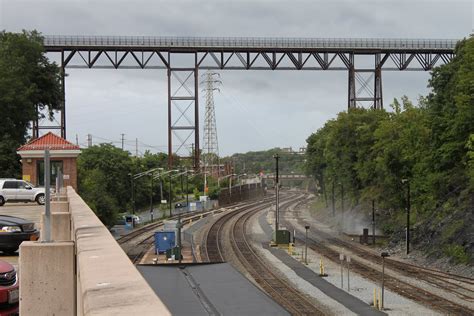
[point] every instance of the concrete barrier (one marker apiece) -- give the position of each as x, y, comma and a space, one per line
59, 206
83, 271
47, 278
107, 281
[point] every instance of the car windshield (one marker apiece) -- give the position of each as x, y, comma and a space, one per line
27, 183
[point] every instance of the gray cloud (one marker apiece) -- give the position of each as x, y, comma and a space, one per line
256, 109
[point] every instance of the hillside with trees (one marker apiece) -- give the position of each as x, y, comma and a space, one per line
376, 154
254, 162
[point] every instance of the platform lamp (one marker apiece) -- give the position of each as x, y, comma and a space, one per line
306, 245
383, 255
408, 206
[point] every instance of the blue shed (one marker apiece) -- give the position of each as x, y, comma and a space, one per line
164, 240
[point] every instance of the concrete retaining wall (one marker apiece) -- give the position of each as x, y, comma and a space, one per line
107, 281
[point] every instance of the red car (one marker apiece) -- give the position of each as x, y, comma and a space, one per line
9, 292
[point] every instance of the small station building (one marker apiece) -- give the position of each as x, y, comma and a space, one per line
63, 155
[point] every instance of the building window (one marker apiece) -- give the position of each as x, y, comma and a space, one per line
56, 165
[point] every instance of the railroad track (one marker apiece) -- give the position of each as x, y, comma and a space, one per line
321, 242
288, 297
139, 241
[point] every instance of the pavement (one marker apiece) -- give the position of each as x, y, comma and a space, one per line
31, 211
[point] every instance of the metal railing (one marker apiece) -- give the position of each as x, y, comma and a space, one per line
247, 42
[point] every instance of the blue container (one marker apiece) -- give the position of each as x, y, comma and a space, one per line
164, 241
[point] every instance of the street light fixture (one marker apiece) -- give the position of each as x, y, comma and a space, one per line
383, 255
140, 175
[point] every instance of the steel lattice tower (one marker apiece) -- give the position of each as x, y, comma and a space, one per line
211, 145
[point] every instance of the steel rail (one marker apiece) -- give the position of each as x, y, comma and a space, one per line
320, 242
287, 296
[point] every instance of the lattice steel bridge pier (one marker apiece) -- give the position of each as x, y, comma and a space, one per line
208, 53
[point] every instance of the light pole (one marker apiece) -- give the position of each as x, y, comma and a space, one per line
138, 176
333, 201
408, 206
133, 193
240, 186
151, 198
230, 183
383, 255
277, 193
306, 245
373, 222
342, 205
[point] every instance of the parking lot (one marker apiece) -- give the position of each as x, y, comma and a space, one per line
31, 211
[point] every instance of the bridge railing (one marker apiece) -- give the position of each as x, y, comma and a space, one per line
248, 42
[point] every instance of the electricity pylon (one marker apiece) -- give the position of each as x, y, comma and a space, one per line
211, 145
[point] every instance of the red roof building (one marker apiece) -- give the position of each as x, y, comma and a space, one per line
63, 158
49, 140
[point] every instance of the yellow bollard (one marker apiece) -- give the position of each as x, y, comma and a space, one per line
375, 297
190, 221
380, 301
321, 268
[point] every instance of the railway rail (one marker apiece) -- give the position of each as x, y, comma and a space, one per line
138, 242
288, 297
321, 242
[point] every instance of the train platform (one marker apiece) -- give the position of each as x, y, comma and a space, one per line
349, 301
208, 289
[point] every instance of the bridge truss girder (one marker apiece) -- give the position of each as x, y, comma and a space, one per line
243, 59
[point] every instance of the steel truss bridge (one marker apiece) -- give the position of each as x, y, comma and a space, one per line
184, 57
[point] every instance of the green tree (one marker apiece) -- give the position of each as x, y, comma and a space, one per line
27, 80
104, 173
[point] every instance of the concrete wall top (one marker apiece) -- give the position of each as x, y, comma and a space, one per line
108, 282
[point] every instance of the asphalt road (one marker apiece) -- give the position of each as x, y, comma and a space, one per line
30, 211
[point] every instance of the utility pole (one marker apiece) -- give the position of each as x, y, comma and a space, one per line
151, 198
408, 207
170, 196
333, 201
136, 147
277, 194
89, 140
123, 138
373, 222
77, 140
342, 205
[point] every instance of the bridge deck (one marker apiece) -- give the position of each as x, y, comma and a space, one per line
53, 42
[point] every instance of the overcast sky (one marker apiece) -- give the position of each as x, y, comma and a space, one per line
255, 109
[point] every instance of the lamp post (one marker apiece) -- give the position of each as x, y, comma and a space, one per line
306, 245
151, 198
373, 222
277, 193
342, 206
240, 186
383, 255
133, 193
138, 176
170, 194
333, 201
408, 206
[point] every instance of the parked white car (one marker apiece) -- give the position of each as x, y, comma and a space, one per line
13, 190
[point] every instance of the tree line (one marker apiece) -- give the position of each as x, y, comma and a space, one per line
373, 154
